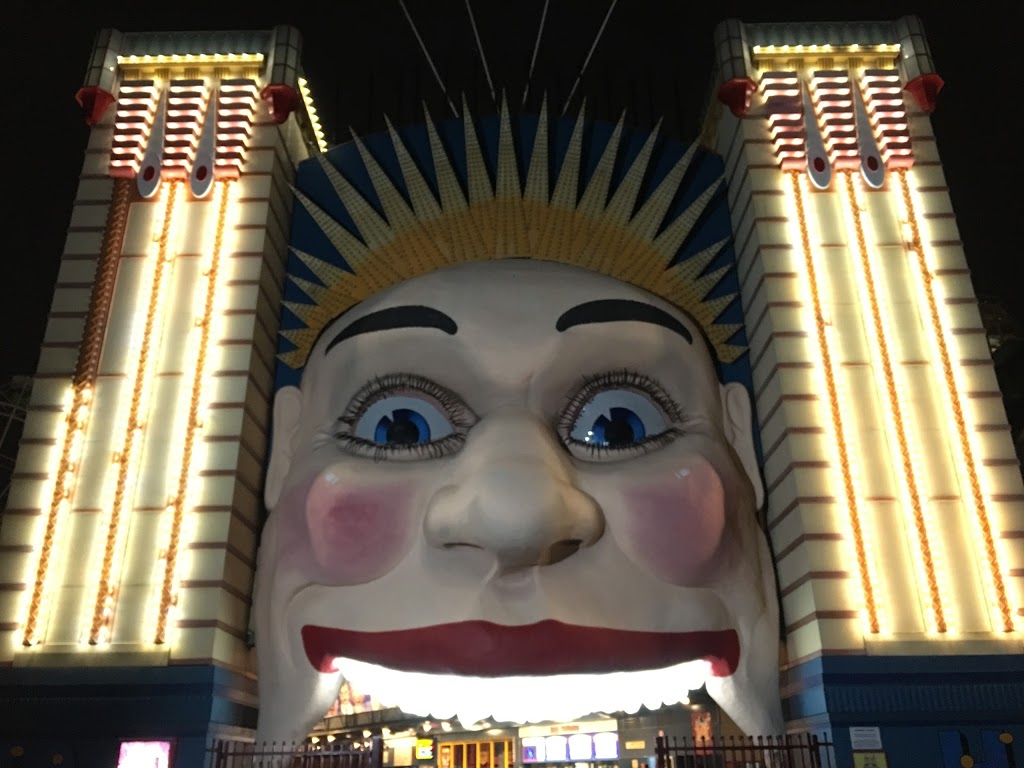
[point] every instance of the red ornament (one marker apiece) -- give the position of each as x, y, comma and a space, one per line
94, 102
283, 100
925, 90
736, 94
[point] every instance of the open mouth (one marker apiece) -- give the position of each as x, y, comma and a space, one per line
484, 649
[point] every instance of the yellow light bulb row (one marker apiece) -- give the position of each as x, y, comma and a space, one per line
198, 402
192, 58
70, 438
178, 430
1002, 613
868, 533
74, 414
852, 48
898, 424
314, 118
840, 437
127, 459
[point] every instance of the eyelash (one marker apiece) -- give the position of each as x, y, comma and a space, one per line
459, 414
622, 379
462, 418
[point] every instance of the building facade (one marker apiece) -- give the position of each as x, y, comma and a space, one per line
894, 506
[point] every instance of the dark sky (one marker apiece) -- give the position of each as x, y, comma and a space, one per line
363, 60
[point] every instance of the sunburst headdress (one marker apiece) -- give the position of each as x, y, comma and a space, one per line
599, 227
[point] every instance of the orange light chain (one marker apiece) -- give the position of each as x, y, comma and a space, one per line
105, 593
853, 507
895, 409
167, 595
988, 540
77, 418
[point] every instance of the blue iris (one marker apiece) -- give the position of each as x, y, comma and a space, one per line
624, 428
403, 427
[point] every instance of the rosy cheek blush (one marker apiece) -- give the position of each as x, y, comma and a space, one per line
356, 533
674, 525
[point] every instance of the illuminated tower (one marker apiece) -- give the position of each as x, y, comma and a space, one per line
133, 519
895, 507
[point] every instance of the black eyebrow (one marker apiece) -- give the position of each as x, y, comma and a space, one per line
412, 316
619, 310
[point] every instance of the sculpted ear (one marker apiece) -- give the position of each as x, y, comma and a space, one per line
287, 409
737, 418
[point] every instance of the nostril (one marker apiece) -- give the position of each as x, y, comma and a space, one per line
454, 544
562, 549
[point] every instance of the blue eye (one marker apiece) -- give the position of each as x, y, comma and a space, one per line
617, 418
402, 421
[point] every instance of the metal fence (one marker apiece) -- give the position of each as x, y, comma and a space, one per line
339, 754
789, 751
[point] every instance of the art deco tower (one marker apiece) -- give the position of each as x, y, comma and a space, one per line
895, 504
130, 536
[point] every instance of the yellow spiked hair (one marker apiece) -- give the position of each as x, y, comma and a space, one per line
594, 228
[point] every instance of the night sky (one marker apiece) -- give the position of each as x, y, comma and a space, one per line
362, 60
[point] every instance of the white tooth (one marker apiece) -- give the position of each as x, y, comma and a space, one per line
750, 696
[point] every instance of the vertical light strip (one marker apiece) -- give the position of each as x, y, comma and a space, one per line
74, 413
871, 612
126, 460
71, 432
946, 373
898, 421
198, 401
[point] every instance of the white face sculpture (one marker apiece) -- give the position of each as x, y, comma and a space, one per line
513, 490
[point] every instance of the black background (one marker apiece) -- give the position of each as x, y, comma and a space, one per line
362, 60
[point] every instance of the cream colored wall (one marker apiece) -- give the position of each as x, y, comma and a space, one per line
217, 588
221, 532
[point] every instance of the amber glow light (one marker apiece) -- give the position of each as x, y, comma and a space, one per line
71, 431
899, 426
929, 298
192, 58
314, 118
210, 298
835, 427
68, 447
133, 409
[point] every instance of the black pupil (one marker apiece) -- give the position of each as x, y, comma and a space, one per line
618, 432
403, 432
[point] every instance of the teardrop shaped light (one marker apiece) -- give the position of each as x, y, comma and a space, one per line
148, 179
818, 166
201, 177
871, 166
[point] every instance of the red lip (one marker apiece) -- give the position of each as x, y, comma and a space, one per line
483, 649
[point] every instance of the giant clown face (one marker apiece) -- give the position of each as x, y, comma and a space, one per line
513, 489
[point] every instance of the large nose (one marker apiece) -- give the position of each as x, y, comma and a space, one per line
514, 497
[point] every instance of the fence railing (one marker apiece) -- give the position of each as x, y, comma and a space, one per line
789, 751
339, 754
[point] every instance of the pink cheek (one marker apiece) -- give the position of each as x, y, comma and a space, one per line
357, 534
675, 526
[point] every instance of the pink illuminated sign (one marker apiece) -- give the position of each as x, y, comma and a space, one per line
144, 754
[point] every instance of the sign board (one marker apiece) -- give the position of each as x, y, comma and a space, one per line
870, 760
864, 738
144, 754
424, 749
